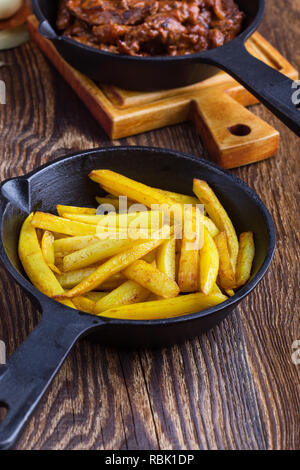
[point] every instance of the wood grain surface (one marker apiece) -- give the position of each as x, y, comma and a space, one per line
233, 388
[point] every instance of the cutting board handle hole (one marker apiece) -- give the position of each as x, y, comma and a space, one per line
3, 411
240, 130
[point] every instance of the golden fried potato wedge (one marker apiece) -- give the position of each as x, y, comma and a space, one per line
245, 258
72, 278
216, 290
181, 198
84, 304
166, 308
112, 201
189, 256
95, 253
226, 277
150, 257
209, 263
110, 220
211, 227
114, 265
34, 264
119, 184
152, 279
165, 258
230, 292
54, 223
61, 209
188, 270
47, 246
129, 292
218, 215
112, 282
65, 246
92, 219
95, 296
133, 224
112, 193
59, 236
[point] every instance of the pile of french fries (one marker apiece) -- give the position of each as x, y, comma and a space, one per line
115, 265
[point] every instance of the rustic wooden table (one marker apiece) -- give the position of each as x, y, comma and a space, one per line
233, 388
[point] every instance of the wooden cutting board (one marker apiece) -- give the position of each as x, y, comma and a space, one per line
232, 134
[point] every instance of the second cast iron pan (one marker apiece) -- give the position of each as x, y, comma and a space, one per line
271, 87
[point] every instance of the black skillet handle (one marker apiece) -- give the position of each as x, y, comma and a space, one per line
276, 91
30, 370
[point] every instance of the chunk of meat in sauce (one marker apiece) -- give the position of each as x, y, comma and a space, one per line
147, 27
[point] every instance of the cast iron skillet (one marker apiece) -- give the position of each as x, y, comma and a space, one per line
29, 371
149, 73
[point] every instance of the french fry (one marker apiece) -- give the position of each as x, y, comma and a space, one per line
230, 292
211, 227
181, 198
54, 223
112, 193
152, 279
84, 304
65, 246
47, 246
59, 263
114, 221
114, 265
188, 270
209, 263
33, 262
127, 293
165, 258
91, 219
72, 278
95, 296
166, 308
61, 209
59, 236
226, 276
112, 282
218, 215
113, 201
150, 257
189, 256
216, 290
119, 184
94, 253
245, 258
